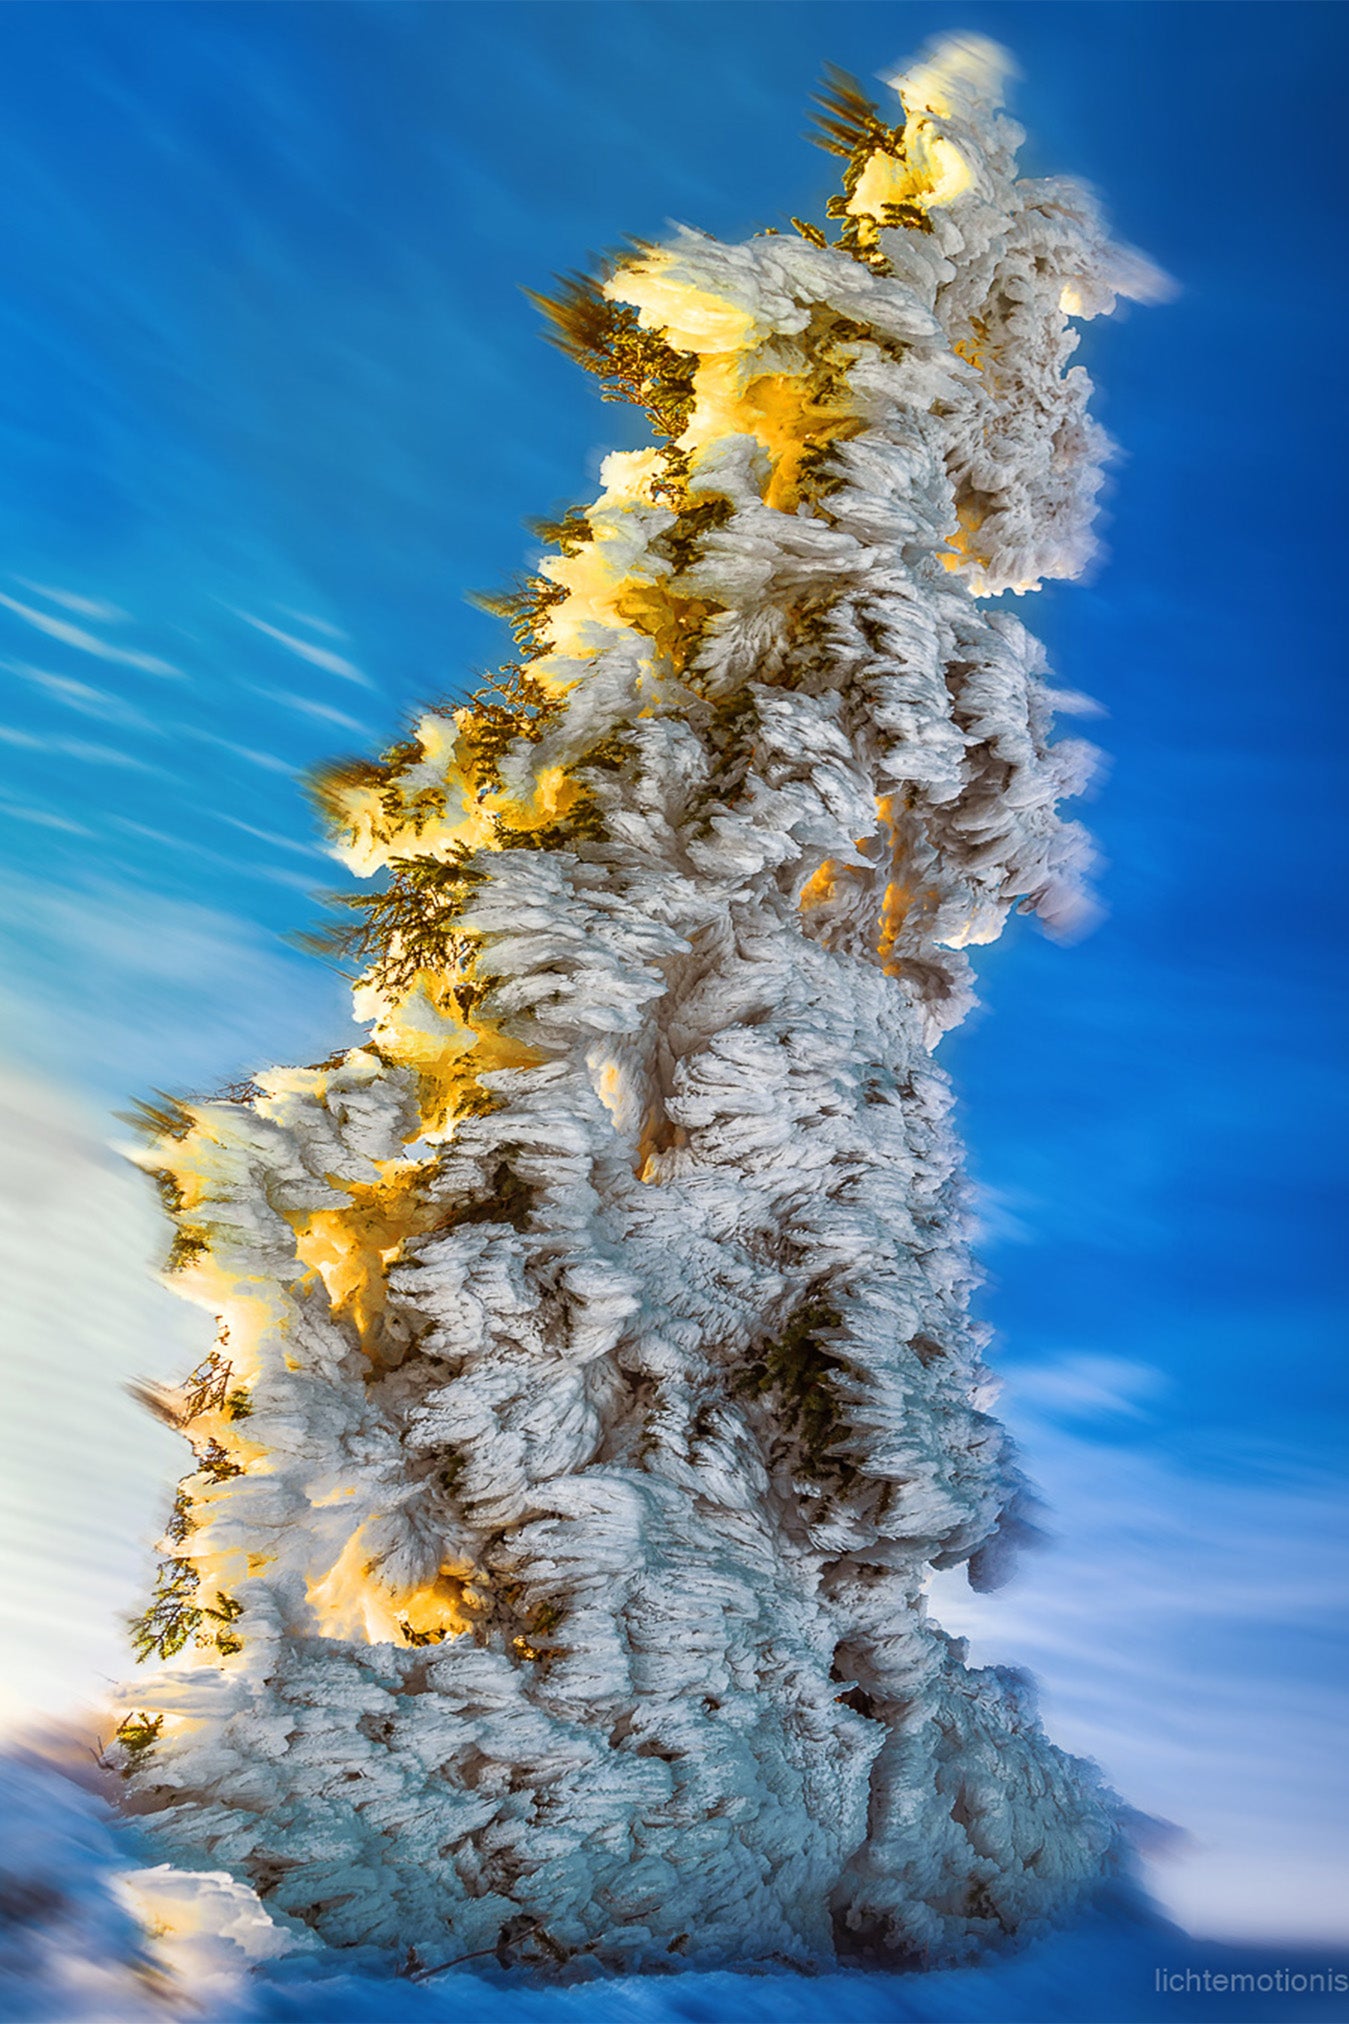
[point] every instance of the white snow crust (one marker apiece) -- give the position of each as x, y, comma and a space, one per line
560, 1552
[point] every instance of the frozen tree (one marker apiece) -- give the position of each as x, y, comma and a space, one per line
596, 1387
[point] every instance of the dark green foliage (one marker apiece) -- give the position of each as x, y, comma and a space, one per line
226, 1613
979, 1904
189, 1243
728, 730
632, 364
678, 545
892, 215
410, 925
138, 1733
169, 1119
205, 1388
180, 1519
608, 756
527, 1628
525, 609
799, 1375
510, 705
215, 1462
167, 1188
848, 124
583, 823
327, 787
569, 533
189, 1239
165, 1119
510, 1200
420, 1637
173, 1614
927, 1351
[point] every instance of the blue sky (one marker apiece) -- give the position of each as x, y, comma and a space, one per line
272, 402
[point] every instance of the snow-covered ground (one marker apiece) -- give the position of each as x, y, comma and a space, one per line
93, 1933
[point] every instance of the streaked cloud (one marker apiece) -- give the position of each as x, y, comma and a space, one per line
86, 642
318, 625
132, 989
309, 708
76, 748
69, 600
1091, 1387
240, 866
45, 818
84, 696
1171, 1622
271, 761
102, 755
271, 836
318, 657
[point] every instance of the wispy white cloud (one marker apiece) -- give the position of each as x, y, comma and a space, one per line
69, 600
318, 657
239, 866
153, 835
129, 988
278, 875
271, 761
318, 625
309, 708
102, 755
83, 696
1180, 1624
86, 642
76, 748
999, 1216
1091, 1387
44, 818
271, 836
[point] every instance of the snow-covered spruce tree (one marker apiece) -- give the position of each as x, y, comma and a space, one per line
596, 1387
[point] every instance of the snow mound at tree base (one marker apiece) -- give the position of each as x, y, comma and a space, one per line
91, 1934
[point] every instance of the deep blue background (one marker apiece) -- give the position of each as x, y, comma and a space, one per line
263, 348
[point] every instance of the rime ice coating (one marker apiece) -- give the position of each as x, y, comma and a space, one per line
596, 1386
